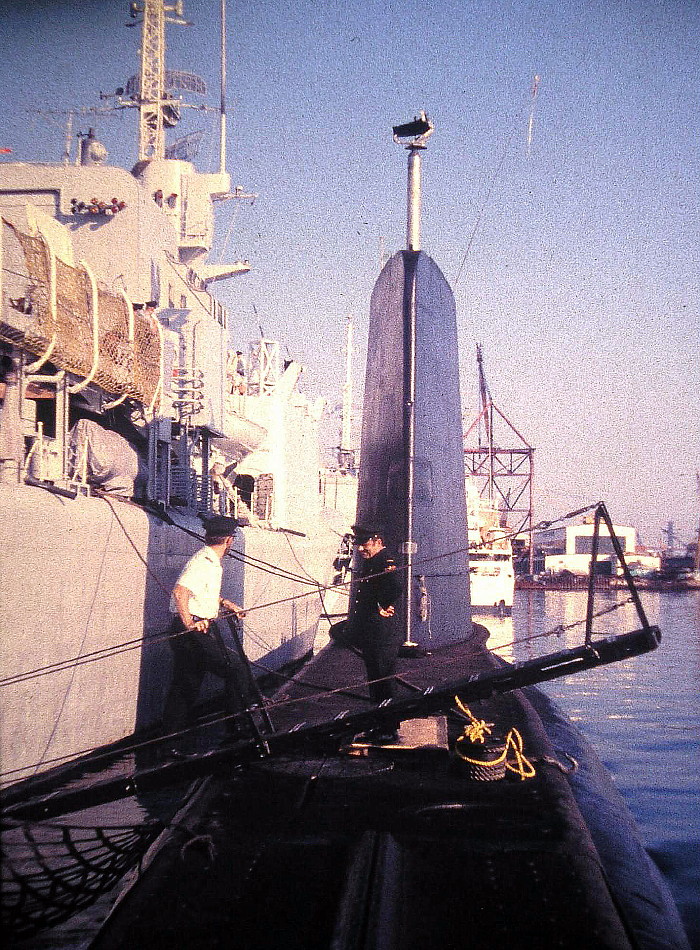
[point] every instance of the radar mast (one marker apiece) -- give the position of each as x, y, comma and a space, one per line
156, 108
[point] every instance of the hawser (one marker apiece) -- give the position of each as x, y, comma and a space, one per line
489, 822
129, 414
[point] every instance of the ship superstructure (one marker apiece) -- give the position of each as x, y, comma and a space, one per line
130, 414
491, 571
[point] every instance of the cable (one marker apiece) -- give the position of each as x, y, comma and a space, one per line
66, 694
127, 645
491, 184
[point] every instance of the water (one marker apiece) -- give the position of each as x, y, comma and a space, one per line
642, 716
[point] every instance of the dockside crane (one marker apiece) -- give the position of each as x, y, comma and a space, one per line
502, 464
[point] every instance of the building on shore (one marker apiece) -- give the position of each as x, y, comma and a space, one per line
569, 548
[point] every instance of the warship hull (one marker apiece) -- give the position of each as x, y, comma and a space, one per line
85, 595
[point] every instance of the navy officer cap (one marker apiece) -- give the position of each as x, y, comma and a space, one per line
220, 526
365, 532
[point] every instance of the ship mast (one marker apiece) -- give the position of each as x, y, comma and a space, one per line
413, 136
222, 113
152, 96
418, 131
487, 415
346, 456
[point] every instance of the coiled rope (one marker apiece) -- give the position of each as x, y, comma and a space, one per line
512, 757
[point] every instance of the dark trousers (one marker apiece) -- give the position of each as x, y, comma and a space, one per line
376, 640
195, 654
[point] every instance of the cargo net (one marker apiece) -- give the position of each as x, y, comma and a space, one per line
50, 872
73, 320
115, 370
26, 311
146, 357
127, 364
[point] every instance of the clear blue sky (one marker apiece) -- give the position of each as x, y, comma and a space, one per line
582, 280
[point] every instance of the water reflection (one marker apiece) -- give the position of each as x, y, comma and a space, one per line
642, 716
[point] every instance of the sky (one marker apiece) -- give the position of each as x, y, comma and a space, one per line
575, 263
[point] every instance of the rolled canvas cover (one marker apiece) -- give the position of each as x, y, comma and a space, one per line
412, 282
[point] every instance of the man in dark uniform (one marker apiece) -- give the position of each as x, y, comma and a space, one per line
376, 591
195, 642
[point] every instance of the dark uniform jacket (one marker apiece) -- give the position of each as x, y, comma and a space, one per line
376, 588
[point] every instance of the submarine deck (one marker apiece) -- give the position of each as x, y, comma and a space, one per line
377, 847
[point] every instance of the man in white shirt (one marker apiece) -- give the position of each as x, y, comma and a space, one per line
196, 644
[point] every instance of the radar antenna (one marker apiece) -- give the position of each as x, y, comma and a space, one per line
156, 107
413, 136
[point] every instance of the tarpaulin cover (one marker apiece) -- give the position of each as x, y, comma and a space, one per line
111, 462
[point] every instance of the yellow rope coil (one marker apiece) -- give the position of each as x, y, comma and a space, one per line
477, 729
513, 755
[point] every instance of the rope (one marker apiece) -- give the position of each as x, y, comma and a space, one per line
258, 563
477, 729
475, 733
91, 755
318, 588
69, 687
562, 628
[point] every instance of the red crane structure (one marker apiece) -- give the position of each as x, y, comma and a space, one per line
503, 471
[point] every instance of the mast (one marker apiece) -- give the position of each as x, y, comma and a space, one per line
222, 127
418, 132
346, 454
487, 414
411, 465
152, 96
152, 80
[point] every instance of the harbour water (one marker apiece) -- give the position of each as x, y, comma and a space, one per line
642, 716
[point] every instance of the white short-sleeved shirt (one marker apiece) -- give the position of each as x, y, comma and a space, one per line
202, 577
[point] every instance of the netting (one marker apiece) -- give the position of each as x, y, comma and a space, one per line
125, 365
116, 367
146, 357
73, 319
50, 872
43, 325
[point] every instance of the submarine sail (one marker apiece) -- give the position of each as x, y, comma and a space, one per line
411, 478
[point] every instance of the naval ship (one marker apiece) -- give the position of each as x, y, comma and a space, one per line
131, 411
489, 821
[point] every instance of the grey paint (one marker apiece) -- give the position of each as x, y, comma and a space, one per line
439, 507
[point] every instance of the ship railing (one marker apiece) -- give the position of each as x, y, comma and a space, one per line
188, 388
44, 459
214, 494
44, 462
227, 500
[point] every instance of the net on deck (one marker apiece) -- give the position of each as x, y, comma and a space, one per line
50, 871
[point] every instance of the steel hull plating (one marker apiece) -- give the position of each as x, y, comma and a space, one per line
413, 312
86, 585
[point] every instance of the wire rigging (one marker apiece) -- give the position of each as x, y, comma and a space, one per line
92, 755
135, 643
